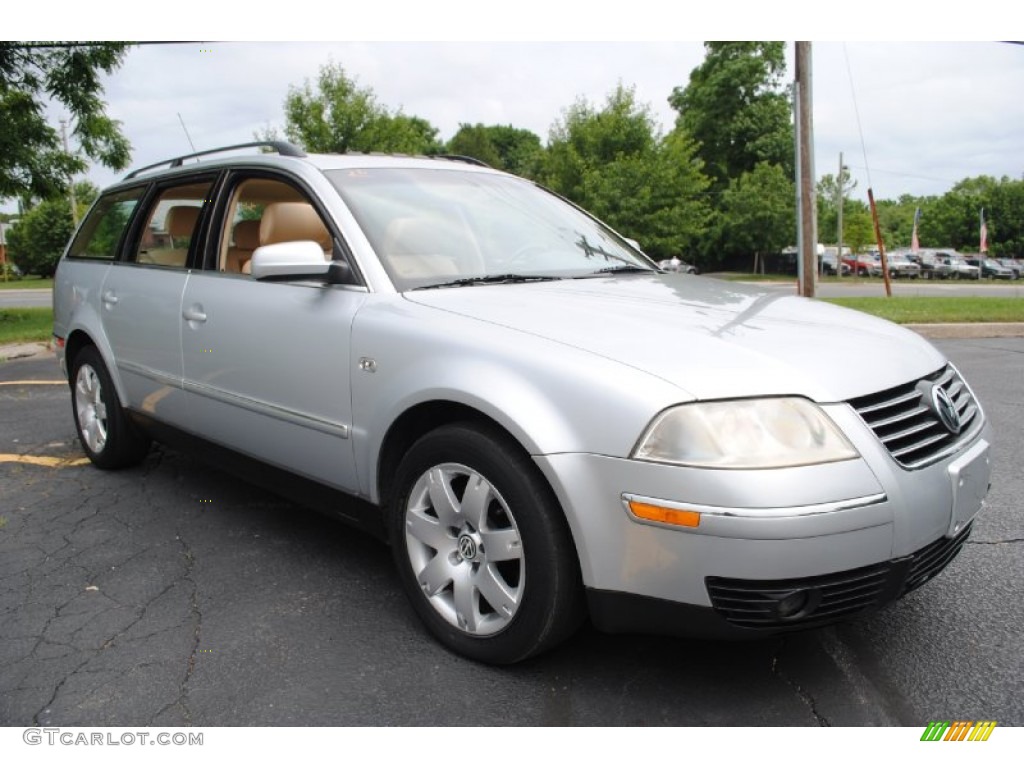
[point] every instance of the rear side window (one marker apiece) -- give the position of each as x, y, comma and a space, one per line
102, 231
172, 220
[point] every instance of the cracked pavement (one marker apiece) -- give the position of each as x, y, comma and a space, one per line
172, 594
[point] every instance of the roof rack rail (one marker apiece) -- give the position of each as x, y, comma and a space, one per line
462, 159
285, 148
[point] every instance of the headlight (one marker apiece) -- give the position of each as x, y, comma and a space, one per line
745, 434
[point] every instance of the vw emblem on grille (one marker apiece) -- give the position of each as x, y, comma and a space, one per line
945, 409
467, 547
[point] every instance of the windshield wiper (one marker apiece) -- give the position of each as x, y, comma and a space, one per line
618, 268
511, 277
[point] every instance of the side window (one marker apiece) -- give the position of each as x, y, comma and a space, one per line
171, 223
102, 231
265, 211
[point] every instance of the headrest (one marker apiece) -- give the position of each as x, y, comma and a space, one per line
247, 234
181, 220
284, 222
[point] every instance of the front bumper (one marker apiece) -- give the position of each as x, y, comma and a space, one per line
769, 532
745, 609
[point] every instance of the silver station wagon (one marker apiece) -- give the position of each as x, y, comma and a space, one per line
543, 424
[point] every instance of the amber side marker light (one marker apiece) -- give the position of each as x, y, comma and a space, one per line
656, 514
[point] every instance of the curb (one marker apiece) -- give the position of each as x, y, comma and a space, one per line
15, 351
967, 330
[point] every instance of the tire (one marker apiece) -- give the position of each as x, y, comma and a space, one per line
473, 524
108, 438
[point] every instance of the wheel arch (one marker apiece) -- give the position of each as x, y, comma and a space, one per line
414, 423
76, 341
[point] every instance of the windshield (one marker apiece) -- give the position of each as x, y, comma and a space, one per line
439, 227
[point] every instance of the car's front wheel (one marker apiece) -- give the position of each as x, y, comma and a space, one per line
482, 547
109, 439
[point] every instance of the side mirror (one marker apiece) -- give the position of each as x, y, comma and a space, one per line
296, 260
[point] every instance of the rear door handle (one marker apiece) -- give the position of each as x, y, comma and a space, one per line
109, 297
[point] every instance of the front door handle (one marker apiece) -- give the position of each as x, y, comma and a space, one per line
194, 314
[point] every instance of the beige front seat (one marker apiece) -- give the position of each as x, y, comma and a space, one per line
418, 247
285, 222
246, 237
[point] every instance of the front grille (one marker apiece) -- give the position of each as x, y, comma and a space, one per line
903, 419
754, 604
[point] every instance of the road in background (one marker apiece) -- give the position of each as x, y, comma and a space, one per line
16, 297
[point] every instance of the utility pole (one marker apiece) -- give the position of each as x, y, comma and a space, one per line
839, 220
808, 209
71, 180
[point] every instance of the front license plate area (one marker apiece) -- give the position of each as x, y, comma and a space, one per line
970, 476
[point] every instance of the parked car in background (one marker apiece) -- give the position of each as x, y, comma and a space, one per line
542, 424
827, 265
961, 270
932, 266
901, 266
677, 265
1014, 265
990, 268
863, 265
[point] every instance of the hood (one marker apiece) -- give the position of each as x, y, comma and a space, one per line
712, 338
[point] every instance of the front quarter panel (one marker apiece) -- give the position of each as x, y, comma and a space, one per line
550, 397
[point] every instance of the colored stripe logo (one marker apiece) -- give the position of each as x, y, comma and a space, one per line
958, 730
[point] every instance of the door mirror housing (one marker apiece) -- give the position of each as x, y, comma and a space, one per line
297, 260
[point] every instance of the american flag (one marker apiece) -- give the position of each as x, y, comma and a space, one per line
984, 233
915, 244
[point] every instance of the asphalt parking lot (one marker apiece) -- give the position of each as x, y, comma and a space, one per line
172, 594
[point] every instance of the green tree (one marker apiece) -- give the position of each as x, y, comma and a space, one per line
340, 116
474, 141
36, 242
758, 214
828, 198
614, 162
33, 162
736, 108
505, 147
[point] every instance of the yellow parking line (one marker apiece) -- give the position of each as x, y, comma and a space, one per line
42, 461
29, 382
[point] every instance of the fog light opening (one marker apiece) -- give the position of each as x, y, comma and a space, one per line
796, 604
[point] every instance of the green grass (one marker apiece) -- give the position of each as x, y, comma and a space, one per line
940, 309
19, 325
27, 283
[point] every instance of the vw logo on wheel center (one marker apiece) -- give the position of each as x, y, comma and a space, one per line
946, 410
467, 547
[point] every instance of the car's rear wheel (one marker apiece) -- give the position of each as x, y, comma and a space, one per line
109, 439
482, 547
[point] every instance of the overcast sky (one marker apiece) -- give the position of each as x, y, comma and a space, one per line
931, 113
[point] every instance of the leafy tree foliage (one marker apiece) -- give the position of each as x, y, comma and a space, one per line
758, 213
735, 107
340, 116
613, 162
33, 162
505, 147
36, 242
